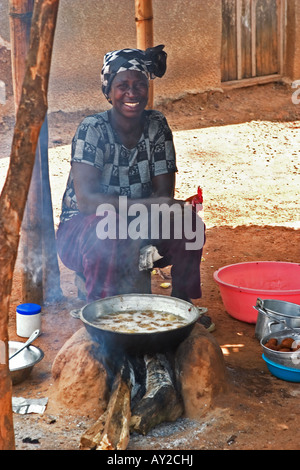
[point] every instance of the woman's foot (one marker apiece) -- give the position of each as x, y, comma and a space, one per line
206, 321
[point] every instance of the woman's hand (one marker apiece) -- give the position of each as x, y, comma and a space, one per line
163, 190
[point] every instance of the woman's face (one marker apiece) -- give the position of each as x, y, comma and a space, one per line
129, 93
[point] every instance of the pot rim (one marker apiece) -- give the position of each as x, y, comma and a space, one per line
251, 290
274, 312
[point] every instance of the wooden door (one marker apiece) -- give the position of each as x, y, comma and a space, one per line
252, 38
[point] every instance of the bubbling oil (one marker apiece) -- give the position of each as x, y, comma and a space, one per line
145, 321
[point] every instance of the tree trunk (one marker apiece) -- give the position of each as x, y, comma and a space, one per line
40, 271
30, 117
20, 16
144, 32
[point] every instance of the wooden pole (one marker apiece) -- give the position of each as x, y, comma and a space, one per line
144, 33
40, 272
30, 117
20, 14
239, 38
51, 275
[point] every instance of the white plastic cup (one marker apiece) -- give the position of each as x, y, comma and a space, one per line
28, 319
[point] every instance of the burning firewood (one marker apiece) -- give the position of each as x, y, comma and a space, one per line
116, 430
111, 431
143, 395
161, 401
92, 437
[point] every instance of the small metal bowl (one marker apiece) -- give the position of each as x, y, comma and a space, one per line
286, 359
22, 364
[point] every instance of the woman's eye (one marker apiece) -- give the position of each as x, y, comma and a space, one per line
124, 86
142, 85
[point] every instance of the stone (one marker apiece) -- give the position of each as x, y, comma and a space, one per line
80, 379
201, 372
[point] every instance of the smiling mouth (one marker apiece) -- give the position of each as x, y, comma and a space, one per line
132, 105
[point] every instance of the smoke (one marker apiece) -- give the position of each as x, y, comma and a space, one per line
39, 260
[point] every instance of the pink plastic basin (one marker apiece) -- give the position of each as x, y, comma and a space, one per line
242, 283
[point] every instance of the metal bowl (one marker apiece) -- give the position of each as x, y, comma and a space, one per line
138, 343
22, 364
286, 359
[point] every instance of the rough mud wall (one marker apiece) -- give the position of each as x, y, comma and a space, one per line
84, 35
190, 30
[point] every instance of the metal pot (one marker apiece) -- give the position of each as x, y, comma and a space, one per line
138, 343
275, 315
286, 359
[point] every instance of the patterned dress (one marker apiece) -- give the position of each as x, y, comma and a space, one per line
124, 172
110, 266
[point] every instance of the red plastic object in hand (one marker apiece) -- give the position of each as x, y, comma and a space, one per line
196, 199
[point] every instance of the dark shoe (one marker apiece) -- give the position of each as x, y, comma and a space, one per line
205, 320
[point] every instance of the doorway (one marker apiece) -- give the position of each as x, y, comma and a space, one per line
252, 39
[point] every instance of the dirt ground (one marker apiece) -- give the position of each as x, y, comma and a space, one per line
243, 147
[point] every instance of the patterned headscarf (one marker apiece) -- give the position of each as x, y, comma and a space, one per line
151, 62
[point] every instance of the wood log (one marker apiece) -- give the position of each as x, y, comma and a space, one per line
30, 116
161, 401
116, 430
92, 437
111, 430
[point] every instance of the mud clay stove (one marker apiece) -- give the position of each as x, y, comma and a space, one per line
135, 388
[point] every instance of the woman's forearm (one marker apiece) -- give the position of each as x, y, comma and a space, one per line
89, 204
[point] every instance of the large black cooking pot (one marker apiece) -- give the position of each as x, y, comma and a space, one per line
138, 343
